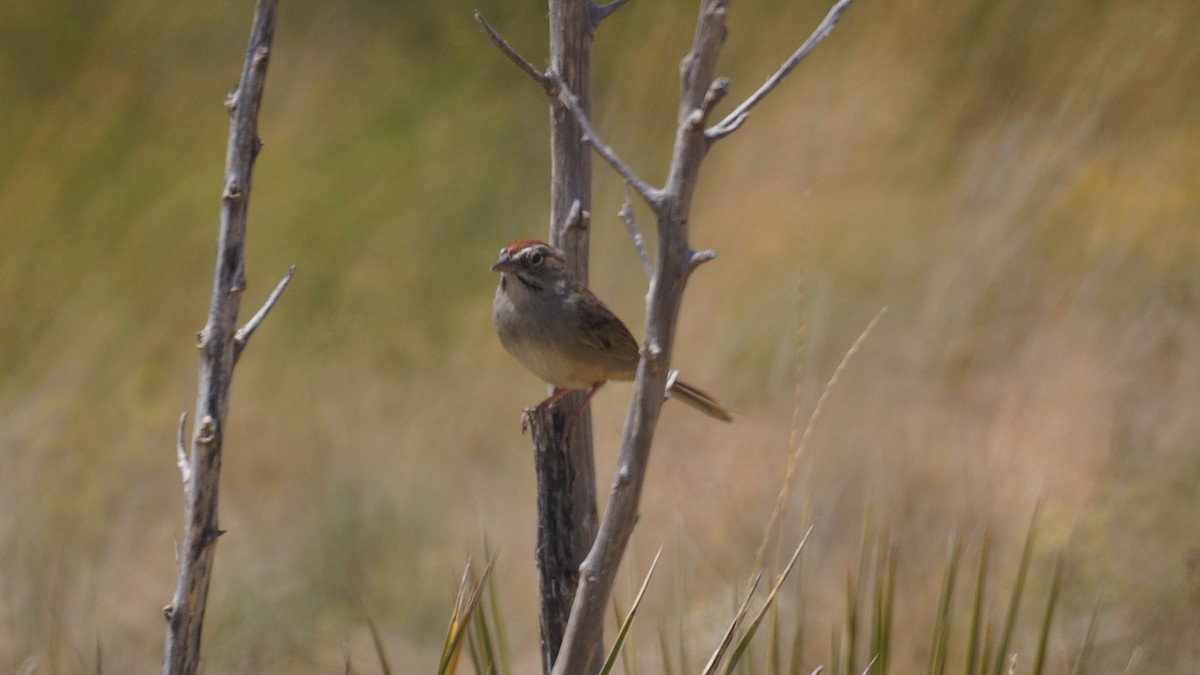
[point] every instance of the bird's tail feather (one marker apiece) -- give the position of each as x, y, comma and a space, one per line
696, 398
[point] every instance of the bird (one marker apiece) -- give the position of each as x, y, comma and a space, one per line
561, 332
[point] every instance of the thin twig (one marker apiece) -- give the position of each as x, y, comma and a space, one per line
650, 194
698, 258
575, 218
242, 337
521, 62
626, 215
602, 12
734, 119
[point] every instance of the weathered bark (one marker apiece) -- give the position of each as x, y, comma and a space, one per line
220, 344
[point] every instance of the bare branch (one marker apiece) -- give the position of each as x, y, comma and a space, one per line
626, 215
716, 91
181, 458
698, 258
218, 348
242, 337
734, 119
576, 218
521, 62
651, 195
602, 12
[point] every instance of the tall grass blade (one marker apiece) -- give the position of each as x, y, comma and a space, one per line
1014, 603
1039, 658
715, 660
1089, 640
744, 642
773, 666
486, 644
664, 649
798, 635
477, 661
497, 618
850, 628
985, 656
623, 632
941, 631
384, 667
973, 662
881, 611
464, 609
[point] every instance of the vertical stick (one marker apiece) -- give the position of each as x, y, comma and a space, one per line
219, 346
567, 517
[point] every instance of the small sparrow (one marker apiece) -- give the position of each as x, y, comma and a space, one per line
562, 333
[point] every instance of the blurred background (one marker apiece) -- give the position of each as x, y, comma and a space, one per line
1017, 181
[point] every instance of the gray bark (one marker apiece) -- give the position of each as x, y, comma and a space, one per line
220, 344
565, 468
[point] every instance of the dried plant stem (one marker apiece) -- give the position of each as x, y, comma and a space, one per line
220, 344
794, 461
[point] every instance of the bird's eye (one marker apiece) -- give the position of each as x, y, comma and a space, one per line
536, 258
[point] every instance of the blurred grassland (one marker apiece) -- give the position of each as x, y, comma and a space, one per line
1018, 181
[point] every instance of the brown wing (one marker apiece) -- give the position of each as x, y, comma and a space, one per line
601, 330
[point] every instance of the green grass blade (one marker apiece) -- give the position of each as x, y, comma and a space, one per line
460, 621
880, 624
1014, 603
487, 645
505, 665
715, 660
744, 642
1089, 640
623, 632
889, 605
941, 631
985, 655
664, 650
973, 662
850, 628
798, 635
772, 666
1039, 659
379, 651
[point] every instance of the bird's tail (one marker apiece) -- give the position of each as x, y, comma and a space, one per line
696, 398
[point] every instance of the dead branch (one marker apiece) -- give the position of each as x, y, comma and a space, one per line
220, 344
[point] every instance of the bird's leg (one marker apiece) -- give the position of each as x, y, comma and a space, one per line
527, 413
574, 415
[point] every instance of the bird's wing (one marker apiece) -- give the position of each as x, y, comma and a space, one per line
600, 329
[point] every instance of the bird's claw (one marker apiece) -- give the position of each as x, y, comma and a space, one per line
527, 418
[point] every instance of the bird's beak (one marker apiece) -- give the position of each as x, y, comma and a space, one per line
504, 263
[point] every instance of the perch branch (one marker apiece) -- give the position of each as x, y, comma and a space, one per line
544, 80
218, 343
671, 207
700, 92
626, 215
734, 119
242, 337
